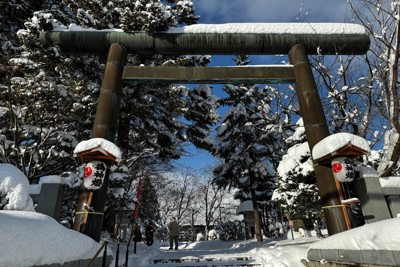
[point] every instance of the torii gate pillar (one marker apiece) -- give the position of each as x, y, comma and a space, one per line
316, 129
105, 126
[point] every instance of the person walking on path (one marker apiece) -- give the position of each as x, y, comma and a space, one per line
150, 230
173, 232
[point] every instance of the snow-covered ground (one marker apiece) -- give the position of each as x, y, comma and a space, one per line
29, 238
284, 252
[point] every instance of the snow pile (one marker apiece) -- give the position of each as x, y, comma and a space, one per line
390, 182
14, 189
94, 143
333, 142
382, 235
30, 238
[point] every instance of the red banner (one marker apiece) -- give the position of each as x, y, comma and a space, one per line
139, 192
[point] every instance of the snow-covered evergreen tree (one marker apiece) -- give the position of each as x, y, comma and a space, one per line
297, 193
149, 207
232, 230
249, 143
48, 97
71, 83
202, 113
122, 188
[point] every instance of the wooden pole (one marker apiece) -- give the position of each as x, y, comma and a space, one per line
316, 129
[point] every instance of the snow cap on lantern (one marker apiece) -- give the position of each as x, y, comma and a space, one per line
343, 169
339, 149
93, 177
98, 149
340, 145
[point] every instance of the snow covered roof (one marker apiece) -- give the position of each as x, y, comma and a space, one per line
245, 206
99, 146
340, 144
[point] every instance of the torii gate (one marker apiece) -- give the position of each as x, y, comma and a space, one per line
298, 40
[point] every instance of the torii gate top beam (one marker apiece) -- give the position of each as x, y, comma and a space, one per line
221, 39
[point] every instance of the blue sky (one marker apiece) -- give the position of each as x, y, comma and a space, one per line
259, 11
227, 11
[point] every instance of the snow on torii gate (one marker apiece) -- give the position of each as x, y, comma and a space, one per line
298, 40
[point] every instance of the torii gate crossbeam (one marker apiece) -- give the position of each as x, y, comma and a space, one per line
205, 75
223, 39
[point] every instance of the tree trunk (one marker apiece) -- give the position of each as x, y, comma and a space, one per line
257, 216
266, 220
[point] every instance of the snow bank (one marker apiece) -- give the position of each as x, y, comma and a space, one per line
390, 182
14, 189
30, 238
382, 235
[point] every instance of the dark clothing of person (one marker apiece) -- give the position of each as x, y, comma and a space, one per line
173, 232
172, 240
150, 229
138, 234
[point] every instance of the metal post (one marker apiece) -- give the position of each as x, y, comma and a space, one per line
291, 231
117, 256
105, 126
316, 129
136, 239
104, 255
127, 255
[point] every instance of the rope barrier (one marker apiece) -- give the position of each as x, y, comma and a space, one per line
89, 212
104, 245
334, 206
